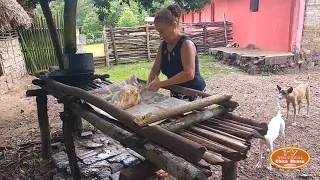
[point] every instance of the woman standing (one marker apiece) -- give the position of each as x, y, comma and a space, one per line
177, 55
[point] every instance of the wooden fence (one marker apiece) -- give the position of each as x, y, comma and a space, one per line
36, 43
123, 45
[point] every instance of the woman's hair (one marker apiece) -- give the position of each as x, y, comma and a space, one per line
169, 15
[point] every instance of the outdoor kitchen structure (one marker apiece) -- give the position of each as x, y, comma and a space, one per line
181, 138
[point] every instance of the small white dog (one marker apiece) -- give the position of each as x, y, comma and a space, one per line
275, 126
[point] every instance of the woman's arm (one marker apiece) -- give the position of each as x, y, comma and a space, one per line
155, 70
188, 53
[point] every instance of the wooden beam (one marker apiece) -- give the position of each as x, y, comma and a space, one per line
67, 121
230, 170
178, 110
42, 109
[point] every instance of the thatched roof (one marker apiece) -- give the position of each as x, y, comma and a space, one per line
13, 15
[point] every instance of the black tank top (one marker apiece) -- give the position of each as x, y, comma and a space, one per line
174, 66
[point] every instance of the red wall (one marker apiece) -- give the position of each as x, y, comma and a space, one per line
267, 29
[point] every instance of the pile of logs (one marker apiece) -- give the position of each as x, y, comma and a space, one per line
184, 145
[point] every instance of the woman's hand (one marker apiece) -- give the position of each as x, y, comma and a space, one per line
155, 86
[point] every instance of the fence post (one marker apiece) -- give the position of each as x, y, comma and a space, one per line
205, 38
225, 28
148, 43
114, 46
105, 46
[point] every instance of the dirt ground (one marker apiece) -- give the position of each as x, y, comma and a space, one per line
255, 94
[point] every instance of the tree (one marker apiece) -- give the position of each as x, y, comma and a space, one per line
92, 26
103, 8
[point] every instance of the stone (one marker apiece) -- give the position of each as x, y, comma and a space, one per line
110, 152
92, 159
60, 160
83, 154
119, 158
104, 174
94, 169
80, 165
86, 134
116, 167
93, 145
130, 161
115, 176
61, 176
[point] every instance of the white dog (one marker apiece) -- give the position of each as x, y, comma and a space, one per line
275, 126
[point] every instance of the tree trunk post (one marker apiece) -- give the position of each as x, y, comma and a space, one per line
67, 121
43, 120
52, 30
69, 33
106, 47
230, 170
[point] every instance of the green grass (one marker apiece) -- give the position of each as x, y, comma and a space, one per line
141, 70
96, 49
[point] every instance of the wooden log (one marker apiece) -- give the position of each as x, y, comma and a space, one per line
193, 119
254, 132
213, 146
106, 47
69, 143
230, 130
239, 123
223, 133
42, 109
263, 126
126, 119
162, 114
226, 141
139, 171
191, 92
114, 46
229, 170
176, 166
213, 158
184, 147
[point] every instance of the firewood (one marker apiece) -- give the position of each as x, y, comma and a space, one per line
162, 114
226, 141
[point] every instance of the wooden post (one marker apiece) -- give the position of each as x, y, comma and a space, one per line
205, 38
42, 108
148, 43
114, 46
106, 47
229, 170
225, 28
66, 117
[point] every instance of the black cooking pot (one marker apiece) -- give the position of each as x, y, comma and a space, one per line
72, 77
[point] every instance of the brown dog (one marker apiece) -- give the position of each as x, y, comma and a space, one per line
294, 96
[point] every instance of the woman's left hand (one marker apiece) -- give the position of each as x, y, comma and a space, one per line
155, 86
